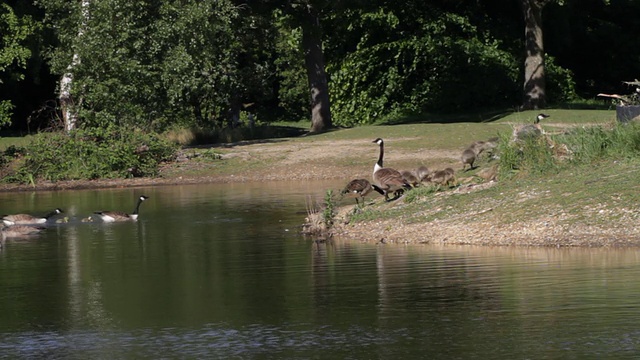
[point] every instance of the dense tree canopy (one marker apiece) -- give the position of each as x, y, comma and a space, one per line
210, 63
17, 33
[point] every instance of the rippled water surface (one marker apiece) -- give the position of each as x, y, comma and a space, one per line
221, 271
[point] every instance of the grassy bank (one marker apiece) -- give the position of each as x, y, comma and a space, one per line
587, 198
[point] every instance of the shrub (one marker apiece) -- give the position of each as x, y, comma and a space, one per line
530, 156
92, 154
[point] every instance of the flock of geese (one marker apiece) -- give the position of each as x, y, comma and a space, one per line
21, 225
387, 180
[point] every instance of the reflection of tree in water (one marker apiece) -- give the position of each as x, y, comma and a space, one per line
321, 262
86, 299
424, 283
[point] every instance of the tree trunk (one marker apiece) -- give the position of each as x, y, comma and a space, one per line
534, 96
69, 115
67, 103
314, 62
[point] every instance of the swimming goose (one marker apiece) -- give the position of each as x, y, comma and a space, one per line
26, 219
20, 231
359, 188
112, 216
388, 179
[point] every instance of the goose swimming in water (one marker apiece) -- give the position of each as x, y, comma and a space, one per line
113, 216
26, 219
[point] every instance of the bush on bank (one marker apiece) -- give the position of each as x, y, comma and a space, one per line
86, 154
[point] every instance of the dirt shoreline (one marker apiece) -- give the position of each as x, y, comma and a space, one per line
312, 161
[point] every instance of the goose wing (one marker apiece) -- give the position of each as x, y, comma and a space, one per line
390, 179
21, 219
113, 215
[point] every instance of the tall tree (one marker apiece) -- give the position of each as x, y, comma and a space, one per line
534, 92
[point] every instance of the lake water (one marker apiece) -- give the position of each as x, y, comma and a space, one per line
222, 272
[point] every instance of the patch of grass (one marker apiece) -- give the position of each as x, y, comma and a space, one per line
189, 136
419, 192
16, 141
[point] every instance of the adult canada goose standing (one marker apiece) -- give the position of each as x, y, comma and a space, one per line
14, 231
26, 219
387, 179
359, 188
111, 216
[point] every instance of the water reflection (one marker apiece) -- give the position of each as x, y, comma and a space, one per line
221, 271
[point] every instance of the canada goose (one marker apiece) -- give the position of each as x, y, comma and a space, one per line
422, 172
387, 179
443, 177
468, 157
359, 188
410, 177
530, 131
20, 230
111, 216
26, 219
471, 153
540, 116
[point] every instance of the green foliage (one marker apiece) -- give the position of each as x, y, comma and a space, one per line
149, 64
329, 212
561, 87
6, 109
92, 154
443, 67
525, 157
589, 144
15, 33
585, 145
293, 91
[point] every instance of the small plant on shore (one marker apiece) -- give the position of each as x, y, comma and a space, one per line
329, 213
320, 218
313, 224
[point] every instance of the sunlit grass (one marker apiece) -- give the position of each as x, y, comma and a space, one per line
6, 142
